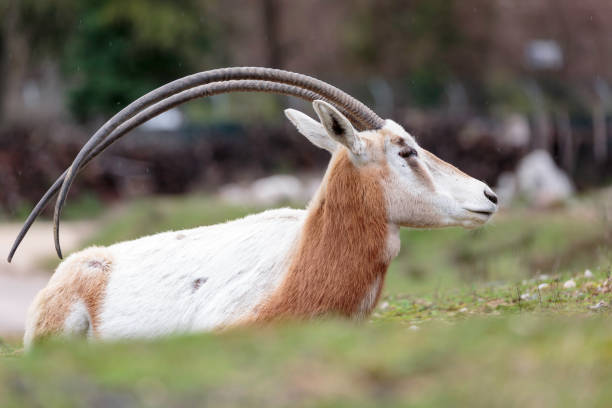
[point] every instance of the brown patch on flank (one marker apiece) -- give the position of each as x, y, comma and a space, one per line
82, 277
340, 253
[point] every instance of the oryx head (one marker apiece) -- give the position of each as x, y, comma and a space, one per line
421, 190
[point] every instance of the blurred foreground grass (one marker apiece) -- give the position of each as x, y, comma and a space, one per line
508, 361
468, 318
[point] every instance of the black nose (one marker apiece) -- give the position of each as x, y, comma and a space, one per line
491, 196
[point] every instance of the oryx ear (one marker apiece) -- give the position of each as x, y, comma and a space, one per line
313, 130
338, 127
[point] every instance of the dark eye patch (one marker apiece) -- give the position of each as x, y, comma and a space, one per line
408, 152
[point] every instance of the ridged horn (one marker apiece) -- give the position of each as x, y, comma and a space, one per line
249, 79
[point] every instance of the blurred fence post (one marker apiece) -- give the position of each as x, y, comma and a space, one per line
600, 109
542, 121
600, 144
566, 142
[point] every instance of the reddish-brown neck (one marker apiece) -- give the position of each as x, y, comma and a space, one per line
340, 253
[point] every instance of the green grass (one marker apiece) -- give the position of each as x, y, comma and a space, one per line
463, 321
85, 206
529, 297
520, 361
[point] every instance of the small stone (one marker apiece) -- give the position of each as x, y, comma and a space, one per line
384, 305
543, 286
569, 284
414, 328
588, 273
527, 296
463, 310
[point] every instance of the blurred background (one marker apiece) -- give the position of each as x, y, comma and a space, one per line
480, 83
518, 94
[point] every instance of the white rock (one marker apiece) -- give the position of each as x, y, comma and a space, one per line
270, 191
569, 284
599, 305
588, 273
542, 286
506, 188
515, 131
541, 182
235, 194
277, 189
463, 310
167, 121
528, 296
414, 328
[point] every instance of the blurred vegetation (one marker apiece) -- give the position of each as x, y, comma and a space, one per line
86, 206
145, 217
112, 51
139, 44
485, 362
431, 33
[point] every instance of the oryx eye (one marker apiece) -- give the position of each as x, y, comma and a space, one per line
408, 152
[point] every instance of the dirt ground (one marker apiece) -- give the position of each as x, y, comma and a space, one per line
26, 275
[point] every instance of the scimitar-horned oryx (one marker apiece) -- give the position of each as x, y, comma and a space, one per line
330, 258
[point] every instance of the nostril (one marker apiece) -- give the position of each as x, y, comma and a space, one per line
491, 196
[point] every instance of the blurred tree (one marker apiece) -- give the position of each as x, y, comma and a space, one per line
30, 31
412, 40
270, 14
120, 50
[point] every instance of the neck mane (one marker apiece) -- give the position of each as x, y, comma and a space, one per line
339, 264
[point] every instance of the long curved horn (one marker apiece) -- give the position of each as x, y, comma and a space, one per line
200, 91
360, 111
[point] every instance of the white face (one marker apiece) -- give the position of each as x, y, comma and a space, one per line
421, 190
425, 192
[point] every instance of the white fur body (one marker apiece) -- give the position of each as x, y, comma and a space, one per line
198, 279
223, 275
